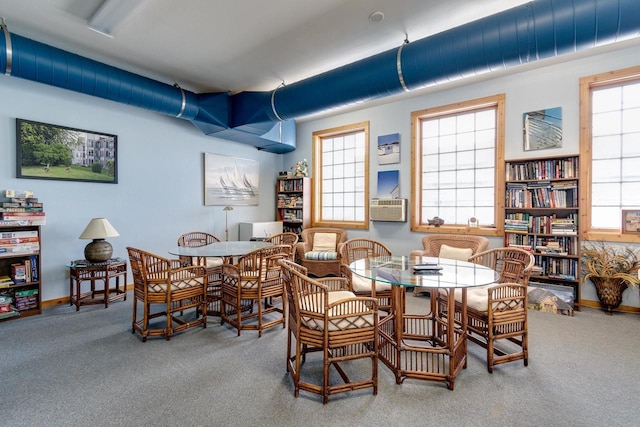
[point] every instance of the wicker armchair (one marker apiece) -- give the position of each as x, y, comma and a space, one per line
334, 323
286, 238
360, 248
254, 280
497, 314
164, 281
456, 247
196, 239
320, 256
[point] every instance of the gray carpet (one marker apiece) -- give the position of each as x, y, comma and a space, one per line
68, 368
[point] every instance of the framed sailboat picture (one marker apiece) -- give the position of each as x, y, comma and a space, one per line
230, 180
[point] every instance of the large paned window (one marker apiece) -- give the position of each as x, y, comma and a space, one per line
341, 176
609, 152
458, 167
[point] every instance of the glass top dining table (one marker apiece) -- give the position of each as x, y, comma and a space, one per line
430, 346
398, 270
220, 249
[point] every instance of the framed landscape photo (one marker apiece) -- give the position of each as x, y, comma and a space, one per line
46, 151
631, 221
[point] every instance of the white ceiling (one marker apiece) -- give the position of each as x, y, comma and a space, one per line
240, 45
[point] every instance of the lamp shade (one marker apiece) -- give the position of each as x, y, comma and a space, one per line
98, 250
99, 228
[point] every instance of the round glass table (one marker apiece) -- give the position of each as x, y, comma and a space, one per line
432, 346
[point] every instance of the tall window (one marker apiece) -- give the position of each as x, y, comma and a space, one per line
341, 176
609, 151
458, 164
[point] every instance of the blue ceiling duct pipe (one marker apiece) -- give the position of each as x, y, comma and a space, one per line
527, 33
524, 34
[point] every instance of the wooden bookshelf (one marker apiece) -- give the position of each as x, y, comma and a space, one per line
293, 203
541, 215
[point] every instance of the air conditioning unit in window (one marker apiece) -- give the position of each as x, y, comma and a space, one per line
388, 210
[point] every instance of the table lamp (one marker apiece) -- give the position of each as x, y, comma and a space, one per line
99, 250
226, 221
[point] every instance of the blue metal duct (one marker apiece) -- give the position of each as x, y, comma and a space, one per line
527, 33
536, 30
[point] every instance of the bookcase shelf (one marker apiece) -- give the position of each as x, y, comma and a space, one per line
20, 248
541, 215
293, 203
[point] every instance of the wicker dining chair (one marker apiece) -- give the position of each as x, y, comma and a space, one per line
335, 323
255, 280
452, 246
319, 250
162, 281
286, 238
196, 239
497, 314
360, 248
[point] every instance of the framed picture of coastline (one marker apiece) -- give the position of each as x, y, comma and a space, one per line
46, 151
230, 180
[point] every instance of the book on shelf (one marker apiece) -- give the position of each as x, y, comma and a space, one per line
16, 240
19, 273
6, 281
18, 234
20, 248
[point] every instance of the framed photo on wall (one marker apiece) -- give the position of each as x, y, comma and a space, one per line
542, 129
631, 221
46, 151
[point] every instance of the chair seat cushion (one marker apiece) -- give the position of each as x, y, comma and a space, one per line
213, 262
321, 255
339, 324
362, 284
324, 242
450, 252
477, 297
177, 284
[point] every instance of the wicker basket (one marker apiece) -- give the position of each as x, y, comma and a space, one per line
609, 292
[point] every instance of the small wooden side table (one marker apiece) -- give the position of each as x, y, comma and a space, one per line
84, 271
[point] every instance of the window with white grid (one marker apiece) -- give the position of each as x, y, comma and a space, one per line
612, 116
341, 178
455, 157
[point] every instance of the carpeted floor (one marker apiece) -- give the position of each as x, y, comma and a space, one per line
68, 368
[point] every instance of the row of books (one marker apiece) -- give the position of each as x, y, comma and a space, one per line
543, 169
544, 246
544, 224
292, 215
292, 229
520, 195
26, 299
555, 268
289, 201
19, 242
23, 272
291, 185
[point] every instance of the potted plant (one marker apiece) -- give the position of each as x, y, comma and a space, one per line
611, 269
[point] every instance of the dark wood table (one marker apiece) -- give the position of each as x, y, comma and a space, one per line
81, 271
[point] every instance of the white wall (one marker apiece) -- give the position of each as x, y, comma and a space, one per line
552, 85
159, 194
